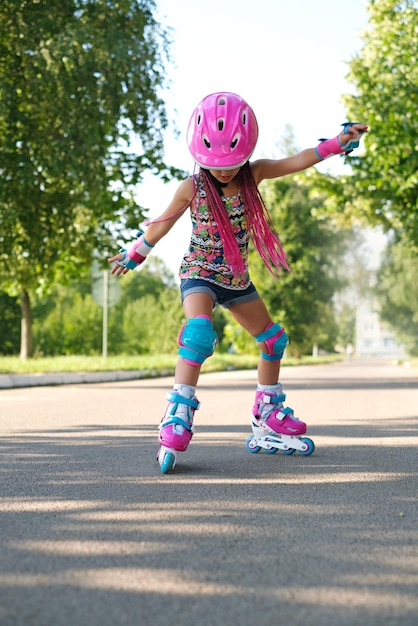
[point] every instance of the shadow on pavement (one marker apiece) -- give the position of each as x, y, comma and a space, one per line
92, 533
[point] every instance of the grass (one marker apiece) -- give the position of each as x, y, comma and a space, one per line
152, 364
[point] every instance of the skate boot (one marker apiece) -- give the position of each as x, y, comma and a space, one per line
274, 426
176, 428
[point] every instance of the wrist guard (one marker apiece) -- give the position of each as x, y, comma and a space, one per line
136, 253
331, 147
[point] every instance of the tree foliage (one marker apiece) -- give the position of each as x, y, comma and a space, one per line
384, 185
301, 301
398, 295
9, 324
79, 79
146, 319
67, 321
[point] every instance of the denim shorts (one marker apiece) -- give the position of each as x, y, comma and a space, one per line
220, 295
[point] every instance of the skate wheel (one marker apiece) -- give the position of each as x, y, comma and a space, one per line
251, 445
168, 462
309, 446
288, 451
270, 449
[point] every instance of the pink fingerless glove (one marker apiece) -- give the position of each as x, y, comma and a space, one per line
329, 147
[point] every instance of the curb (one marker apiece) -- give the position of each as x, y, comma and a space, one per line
13, 381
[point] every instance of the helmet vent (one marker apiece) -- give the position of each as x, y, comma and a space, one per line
221, 101
206, 141
244, 118
221, 123
199, 119
234, 141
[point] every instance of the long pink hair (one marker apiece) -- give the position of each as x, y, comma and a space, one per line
259, 223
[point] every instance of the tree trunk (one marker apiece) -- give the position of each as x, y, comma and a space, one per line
26, 327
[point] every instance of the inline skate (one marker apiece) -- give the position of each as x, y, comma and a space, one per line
176, 428
275, 427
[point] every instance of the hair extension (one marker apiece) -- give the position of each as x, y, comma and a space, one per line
217, 211
259, 223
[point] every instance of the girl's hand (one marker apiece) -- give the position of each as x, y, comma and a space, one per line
118, 270
130, 259
352, 133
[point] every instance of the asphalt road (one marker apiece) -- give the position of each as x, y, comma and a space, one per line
93, 534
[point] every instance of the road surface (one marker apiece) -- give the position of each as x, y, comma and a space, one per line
93, 534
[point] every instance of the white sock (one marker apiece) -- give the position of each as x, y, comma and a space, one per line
271, 388
276, 389
185, 390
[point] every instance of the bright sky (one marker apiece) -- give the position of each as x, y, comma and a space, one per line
287, 58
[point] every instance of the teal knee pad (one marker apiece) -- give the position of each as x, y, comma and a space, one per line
197, 340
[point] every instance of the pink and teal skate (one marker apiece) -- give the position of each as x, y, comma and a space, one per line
275, 427
176, 429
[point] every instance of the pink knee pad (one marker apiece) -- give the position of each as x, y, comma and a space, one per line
276, 340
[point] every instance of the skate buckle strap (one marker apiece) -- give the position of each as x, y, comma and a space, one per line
177, 421
273, 399
284, 412
172, 396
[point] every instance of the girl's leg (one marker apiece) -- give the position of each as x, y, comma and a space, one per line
176, 425
194, 305
254, 318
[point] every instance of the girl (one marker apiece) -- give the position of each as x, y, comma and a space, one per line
227, 211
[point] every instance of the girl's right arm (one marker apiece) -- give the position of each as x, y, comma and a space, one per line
161, 225
141, 247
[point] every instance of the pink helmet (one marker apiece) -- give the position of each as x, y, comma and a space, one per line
222, 132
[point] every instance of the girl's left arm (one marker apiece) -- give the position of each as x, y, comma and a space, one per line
271, 168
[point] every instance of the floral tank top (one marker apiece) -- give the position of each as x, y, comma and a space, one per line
205, 257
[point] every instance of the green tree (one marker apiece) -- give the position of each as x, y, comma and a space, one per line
397, 294
9, 324
149, 310
151, 325
151, 278
73, 325
302, 301
383, 187
79, 80
146, 319
346, 322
